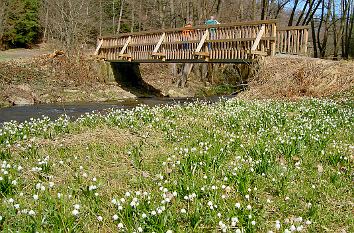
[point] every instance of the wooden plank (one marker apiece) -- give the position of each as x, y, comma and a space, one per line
99, 47
258, 38
293, 28
202, 41
306, 38
203, 27
125, 46
258, 53
157, 47
159, 54
273, 45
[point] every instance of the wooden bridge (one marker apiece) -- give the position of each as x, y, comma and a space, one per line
222, 43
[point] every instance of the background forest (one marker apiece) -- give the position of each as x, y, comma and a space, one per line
76, 24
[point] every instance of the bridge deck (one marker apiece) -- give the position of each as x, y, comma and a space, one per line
222, 43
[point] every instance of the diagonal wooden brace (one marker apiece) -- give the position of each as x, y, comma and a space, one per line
202, 41
258, 38
155, 52
198, 52
121, 53
100, 43
157, 47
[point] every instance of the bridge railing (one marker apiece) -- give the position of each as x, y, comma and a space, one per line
219, 43
292, 40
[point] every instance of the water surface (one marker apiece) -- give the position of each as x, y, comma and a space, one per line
74, 110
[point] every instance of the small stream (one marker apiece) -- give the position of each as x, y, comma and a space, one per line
75, 110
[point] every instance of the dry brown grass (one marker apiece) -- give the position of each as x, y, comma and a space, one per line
104, 134
293, 77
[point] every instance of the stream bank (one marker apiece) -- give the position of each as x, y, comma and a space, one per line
57, 78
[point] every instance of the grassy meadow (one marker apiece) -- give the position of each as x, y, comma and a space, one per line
231, 166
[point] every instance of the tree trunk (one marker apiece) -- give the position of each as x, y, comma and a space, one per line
315, 54
132, 17
113, 17
291, 19
101, 17
265, 9
120, 16
253, 15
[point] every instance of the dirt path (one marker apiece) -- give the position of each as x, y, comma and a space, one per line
12, 54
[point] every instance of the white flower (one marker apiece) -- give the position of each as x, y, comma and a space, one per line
115, 217
16, 206
51, 184
308, 222
31, 212
253, 222
75, 212
249, 207
143, 215
153, 212
35, 197
292, 228
183, 211
14, 182
140, 229
120, 225
76, 206
169, 231
94, 179
238, 205
92, 187
59, 195
11, 200
99, 218
238, 231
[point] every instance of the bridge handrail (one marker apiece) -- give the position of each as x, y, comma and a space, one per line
290, 28
199, 27
223, 42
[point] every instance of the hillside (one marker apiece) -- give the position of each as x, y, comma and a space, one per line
289, 77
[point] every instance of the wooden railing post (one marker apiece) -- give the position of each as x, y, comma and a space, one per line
274, 34
306, 38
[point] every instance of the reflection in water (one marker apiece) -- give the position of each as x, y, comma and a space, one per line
53, 111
